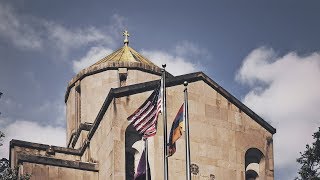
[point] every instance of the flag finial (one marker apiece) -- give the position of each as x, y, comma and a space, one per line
126, 35
163, 67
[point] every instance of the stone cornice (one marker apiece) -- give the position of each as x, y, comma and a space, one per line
43, 147
21, 158
75, 136
112, 66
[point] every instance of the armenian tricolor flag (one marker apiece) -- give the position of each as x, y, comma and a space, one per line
176, 131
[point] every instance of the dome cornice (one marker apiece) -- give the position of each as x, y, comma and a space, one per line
112, 65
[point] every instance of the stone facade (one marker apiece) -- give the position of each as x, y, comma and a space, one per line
227, 139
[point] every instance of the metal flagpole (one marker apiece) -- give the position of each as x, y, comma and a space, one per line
164, 115
146, 154
186, 122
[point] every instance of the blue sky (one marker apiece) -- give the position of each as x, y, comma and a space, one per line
266, 53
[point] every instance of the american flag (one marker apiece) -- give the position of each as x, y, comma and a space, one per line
144, 119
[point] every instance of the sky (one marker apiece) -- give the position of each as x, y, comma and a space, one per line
265, 53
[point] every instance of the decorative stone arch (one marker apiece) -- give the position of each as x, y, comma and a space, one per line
254, 164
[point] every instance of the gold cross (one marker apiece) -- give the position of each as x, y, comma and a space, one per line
126, 35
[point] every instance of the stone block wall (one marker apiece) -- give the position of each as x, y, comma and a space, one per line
220, 136
93, 91
47, 172
70, 114
50, 162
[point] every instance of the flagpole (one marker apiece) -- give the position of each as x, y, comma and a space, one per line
187, 140
146, 154
164, 115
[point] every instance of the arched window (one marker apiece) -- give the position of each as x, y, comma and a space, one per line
253, 163
132, 136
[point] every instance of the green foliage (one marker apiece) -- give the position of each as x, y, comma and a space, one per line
7, 173
310, 160
1, 137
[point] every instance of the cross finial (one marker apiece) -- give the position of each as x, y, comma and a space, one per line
126, 35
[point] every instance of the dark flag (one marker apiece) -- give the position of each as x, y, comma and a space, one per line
144, 119
176, 131
141, 170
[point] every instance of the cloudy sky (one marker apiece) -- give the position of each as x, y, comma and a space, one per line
267, 54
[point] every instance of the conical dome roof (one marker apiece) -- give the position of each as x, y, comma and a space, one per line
124, 57
125, 54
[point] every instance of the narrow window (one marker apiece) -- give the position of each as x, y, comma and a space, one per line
78, 107
123, 73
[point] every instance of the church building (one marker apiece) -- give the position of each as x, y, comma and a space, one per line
228, 141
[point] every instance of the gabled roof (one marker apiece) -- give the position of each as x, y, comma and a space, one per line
174, 81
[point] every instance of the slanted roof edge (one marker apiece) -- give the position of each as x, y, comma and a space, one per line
173, 81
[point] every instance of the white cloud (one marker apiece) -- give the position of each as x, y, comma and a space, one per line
44, 111
285, 91
174, 63
188, 49
92, 56
56, 109
34, 33
118, 24
45, 122
33, 132
181, 60
15, 29
71, 38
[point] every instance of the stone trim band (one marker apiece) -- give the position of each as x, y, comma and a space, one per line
75, 136
112, 66
57, 162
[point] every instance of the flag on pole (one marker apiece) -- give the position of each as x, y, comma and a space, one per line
141, 170
176, 131
144, 119
164, 116
187, 137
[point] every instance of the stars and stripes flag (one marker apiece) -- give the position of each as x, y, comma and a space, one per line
144, 119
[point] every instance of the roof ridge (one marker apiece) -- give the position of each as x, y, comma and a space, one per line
107, 57
142, 57
125, 53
